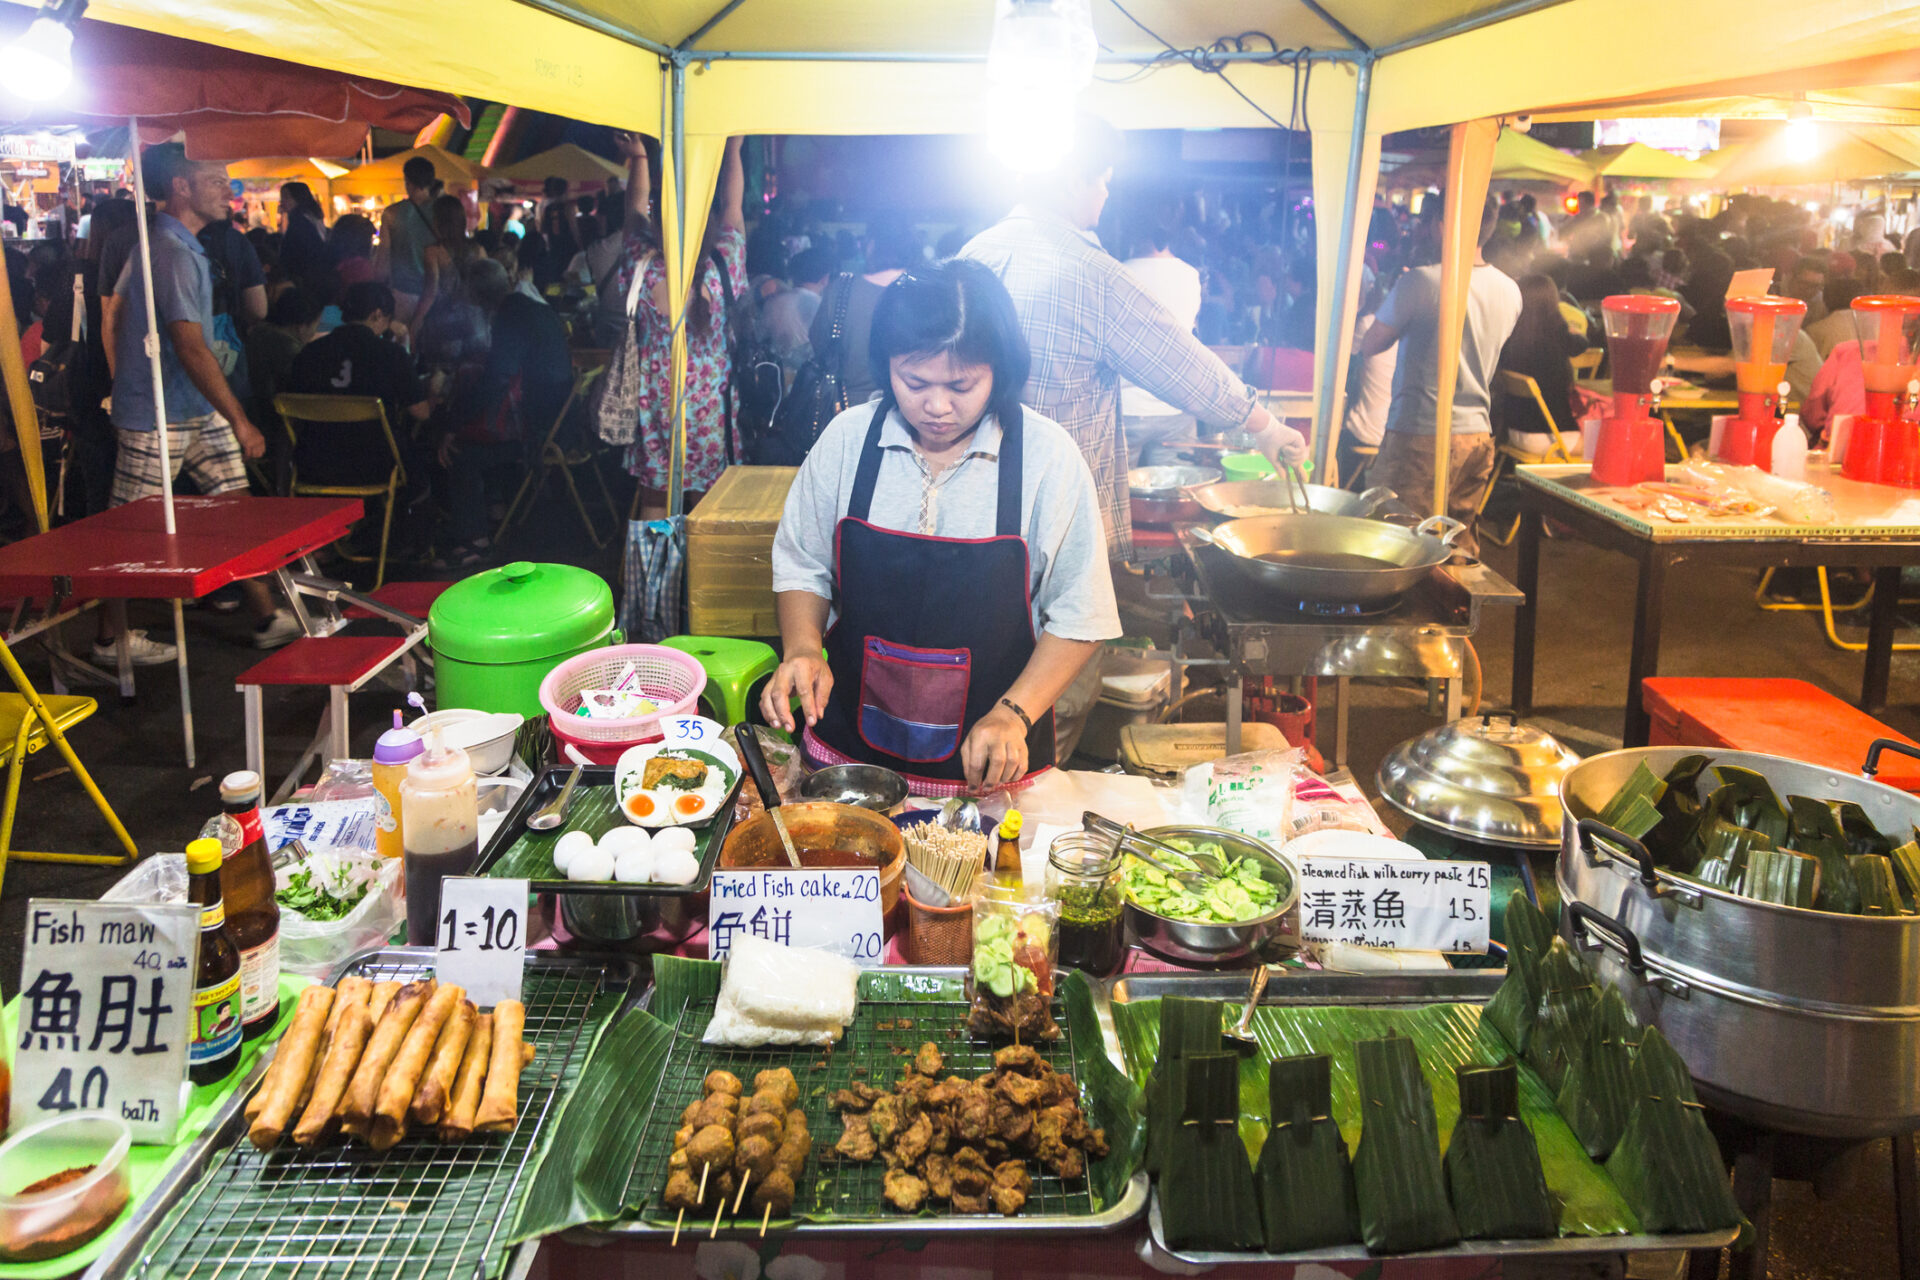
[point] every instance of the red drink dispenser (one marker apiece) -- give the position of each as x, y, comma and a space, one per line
1884, 446
1631, 448
1763, 332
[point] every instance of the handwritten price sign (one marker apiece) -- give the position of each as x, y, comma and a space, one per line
833, 909
482, 942
1403, 906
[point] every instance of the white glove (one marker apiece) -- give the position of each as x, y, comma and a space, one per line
1283, 446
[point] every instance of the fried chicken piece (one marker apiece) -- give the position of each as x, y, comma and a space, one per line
903, 1191
781, 1081
1021, 1091
677, 1162
969, 1173
756, 1155
776, 1189
885, 1119
928, 1061
944, 1094
938, 1172
1056, 1087
911, 1144
973, 1119
722, 1082
857, 1142
692, 1110
1096, 1144
766, 1102
1069, 1164
1011, 1124
683, 1135
683, 1191
913, 1090
1011, 1187
762, 1126
1023, 1058
986, 1081
716, 1108
969, 1204
713, 1145
858, 1098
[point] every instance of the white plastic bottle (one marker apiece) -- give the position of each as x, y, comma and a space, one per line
1790, 449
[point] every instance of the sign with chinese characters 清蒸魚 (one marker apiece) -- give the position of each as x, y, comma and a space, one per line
106, 1002
1409, 905
833, 909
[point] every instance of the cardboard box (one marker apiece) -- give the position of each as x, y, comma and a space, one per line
730, 553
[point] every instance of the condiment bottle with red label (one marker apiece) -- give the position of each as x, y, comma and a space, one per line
253, 915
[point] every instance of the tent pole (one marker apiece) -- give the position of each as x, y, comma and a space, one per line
700, 31
1337, 317
1105, 59
1470, 22
581, 18
677, 450
1319, 11
153, 326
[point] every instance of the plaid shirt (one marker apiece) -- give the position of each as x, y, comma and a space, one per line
1090, 324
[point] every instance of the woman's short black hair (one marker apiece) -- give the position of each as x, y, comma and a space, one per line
957, 306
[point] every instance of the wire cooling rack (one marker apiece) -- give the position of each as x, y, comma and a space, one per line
425, 1209
875, 1051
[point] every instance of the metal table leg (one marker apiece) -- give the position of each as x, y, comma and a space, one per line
1906, 1206
1646, 641
186, 683
1881, 621
1235, 692
1527, 620
1343, 689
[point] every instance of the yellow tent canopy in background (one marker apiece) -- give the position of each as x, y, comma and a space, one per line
580, 167
1839, 153
1638, 160
1517, 157
385, 181
316, 173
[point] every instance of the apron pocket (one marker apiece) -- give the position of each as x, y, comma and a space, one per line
913, 701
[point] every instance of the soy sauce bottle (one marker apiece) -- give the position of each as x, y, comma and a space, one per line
253, 914
214, 1050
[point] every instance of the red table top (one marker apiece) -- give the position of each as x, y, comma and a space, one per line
125, 552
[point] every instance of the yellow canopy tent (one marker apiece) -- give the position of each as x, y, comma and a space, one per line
1517, 157
1638, 160
385, 181
583, 170
1835, 153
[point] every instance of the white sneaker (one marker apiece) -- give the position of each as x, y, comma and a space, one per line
143, 651
281, 628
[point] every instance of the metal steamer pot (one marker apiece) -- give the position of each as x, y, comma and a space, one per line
1334, 559
1800, 1020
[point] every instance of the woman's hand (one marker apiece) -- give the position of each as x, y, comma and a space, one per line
1283, 446
805, 676
995, 752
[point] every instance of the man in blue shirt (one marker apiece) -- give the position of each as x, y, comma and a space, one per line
207, 428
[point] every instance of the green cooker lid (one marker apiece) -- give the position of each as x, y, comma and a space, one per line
520, 612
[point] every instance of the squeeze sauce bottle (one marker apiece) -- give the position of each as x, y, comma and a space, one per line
440, 829
397, 746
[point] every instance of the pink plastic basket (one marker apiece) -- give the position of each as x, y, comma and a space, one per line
671, 678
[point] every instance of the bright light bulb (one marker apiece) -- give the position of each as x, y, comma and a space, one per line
38, 65
1029, 129
1802, 139
1041, 56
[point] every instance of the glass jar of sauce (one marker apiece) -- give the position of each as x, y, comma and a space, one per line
1083, 877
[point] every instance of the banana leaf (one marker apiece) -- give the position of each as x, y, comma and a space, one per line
1186, 1026
1817, 833
1598, 1092
1873, 877
1305, 1178
1397, 1174
1755, 805
1671, 841
1862, 835
1667, 1164
1563, 1019
1635, 807
1906, 869
1494, 1178
1529, 934
1207, 1199
1723, 861
1782, 877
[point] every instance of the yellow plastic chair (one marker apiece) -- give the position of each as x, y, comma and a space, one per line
1508, 455
346, 411
1587, 363
29, 722
1828, 610
555, 456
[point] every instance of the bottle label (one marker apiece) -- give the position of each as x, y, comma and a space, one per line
216, 1021
383, 816
214, 916
251, 828
260, 980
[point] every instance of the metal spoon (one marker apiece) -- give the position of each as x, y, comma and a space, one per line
960, 814
756, 762
1131, 841
1240, 1035
554, 812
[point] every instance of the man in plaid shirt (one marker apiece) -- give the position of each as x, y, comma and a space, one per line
1090, 324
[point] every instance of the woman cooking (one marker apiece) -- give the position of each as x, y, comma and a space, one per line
952, 539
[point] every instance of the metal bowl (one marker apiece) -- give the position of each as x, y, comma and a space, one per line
1159, 495
639, 921
1186, 942
866, 786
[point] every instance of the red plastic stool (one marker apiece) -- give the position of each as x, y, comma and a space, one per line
1778, 717
414, 598
343, 664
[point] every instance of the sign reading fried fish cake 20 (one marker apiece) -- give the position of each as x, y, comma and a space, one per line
1403, 906
833, 909
106, 1008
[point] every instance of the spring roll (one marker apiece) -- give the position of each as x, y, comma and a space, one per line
343, 1053
380, 997
356, 1109
456, 1121
410, 1066
349, 991
500, 1104
280, 1090
430, 1100
526, 1054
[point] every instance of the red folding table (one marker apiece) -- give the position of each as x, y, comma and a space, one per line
126, 553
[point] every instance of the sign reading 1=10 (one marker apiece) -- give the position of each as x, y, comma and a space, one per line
482, 940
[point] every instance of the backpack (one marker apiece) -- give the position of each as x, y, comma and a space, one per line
817, 394
58, 378
759, 383
620, 397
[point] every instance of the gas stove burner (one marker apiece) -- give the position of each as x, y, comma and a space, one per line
1341, 609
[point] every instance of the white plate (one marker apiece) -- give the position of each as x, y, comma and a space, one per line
632, 763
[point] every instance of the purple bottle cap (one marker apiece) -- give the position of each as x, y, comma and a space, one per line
398, 744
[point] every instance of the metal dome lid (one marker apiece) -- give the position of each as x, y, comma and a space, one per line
1490, 778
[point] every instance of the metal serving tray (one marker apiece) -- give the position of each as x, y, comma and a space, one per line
870, 1047
344, 1211
1466, 986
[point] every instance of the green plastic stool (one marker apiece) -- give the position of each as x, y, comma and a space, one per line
732, 668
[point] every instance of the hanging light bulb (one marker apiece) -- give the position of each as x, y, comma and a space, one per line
1802, 135
1040, 58
38, 64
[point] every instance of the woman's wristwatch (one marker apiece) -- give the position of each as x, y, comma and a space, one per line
1014, 707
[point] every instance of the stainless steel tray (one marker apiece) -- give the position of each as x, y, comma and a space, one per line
323, 1216
1130, 1205
1466, 986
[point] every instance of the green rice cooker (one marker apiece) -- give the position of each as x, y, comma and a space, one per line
497, 634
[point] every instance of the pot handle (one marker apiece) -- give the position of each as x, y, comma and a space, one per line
1581, 917
1592, 829
1872, 766
1202, 533
1447, 528
1374, 498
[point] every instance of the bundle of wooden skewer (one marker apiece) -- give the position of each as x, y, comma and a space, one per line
950, 857
368, 1059
729, 1145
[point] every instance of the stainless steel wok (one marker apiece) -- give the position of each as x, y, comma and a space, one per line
1333, 559
1246, 499
1161, 495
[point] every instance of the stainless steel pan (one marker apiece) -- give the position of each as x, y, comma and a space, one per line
1246, 499
1161, 495
1333, 559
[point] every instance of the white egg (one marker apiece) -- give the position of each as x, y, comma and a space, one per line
621, 839
677, 867
634, 866
673, 840
650, 808
591, 864
568, 847
692, 808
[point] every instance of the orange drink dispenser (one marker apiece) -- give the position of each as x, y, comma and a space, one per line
1884, 445
1763, 332
1632, 448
